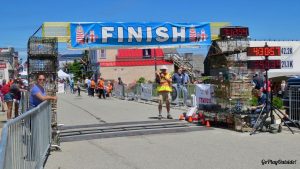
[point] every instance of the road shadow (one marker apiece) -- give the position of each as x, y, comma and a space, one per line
156, 118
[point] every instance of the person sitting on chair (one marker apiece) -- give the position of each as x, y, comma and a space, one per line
261, 101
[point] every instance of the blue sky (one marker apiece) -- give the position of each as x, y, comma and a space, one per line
266, 19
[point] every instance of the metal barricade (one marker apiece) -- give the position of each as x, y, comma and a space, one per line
134, 92
119, 91
23, 104
183, 95
294, 102
26, 139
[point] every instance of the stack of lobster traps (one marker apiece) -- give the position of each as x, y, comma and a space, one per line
43, 59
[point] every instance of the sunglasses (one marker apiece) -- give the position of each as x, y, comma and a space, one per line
41, 79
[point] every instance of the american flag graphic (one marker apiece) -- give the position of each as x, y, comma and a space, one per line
79, 34
193, 34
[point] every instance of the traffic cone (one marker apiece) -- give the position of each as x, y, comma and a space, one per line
190, 119
181, 117
207, 123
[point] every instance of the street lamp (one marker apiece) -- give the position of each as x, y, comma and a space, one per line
155, 65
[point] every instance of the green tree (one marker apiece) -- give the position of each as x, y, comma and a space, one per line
76, 69
141, 80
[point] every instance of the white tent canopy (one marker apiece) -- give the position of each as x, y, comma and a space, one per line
62, 74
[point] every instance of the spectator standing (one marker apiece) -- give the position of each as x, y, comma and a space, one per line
177, 79
89, 86
101, 88
7, 98
3, 91
78, 87
85, 82
109, 89
15, 90
92, 87
186, 81
38, 93
282, 87
258, 82
72, 86
267, 86
120, 82
164, 89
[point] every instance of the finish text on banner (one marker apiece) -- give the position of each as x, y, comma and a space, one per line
99, 35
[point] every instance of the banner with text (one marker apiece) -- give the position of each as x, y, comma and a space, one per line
204, 93
101, 35
61, 88
146, 91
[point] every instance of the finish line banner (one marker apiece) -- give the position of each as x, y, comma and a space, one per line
101, 35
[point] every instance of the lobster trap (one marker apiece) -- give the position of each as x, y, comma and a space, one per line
42, 47
42, 59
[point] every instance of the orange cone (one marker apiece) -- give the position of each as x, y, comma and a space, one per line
190, 119
207, 123
181, 117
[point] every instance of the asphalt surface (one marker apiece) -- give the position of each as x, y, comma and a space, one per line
212, 149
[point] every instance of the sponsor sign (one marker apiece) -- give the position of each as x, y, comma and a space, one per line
61, 88
2, 65
146, 91
204, 93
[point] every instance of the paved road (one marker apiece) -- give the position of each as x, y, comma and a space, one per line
213, 149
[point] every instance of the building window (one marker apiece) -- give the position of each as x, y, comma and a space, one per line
102, 54
146, 53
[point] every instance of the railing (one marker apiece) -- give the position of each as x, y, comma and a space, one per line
26, 139
177, 60
294, 102
181, 95
23, 104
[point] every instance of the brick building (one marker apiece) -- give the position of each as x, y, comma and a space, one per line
129, 64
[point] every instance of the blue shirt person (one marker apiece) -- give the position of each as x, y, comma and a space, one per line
38, 94
177, 77
261, 101
185, 82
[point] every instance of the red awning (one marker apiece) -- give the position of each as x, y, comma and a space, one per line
133, 63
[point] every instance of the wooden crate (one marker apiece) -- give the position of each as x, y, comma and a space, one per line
240, 89
241, 123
